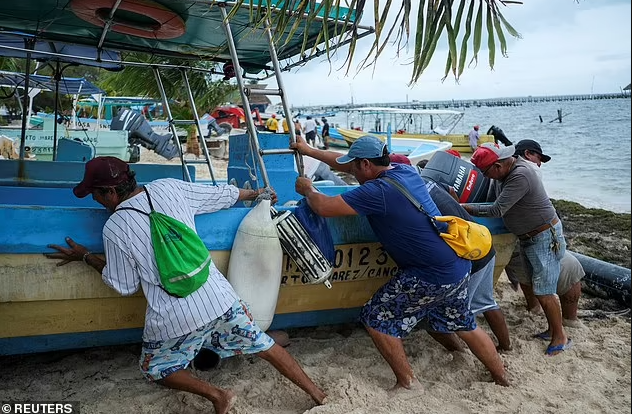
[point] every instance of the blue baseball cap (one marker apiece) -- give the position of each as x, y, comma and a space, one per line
364, 147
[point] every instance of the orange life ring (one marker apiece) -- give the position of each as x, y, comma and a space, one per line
167, 23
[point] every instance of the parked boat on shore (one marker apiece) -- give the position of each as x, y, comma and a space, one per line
428, 124
44, 307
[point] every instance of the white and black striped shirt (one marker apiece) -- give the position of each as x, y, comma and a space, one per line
131, 263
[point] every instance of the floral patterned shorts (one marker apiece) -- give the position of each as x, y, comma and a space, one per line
233, 333
404, 301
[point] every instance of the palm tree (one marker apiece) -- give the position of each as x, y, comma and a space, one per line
435, 18
140, 81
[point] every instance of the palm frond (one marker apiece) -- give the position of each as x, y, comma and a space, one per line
435, 19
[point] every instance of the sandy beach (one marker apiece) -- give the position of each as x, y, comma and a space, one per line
592, 377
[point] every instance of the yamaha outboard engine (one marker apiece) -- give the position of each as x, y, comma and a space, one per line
140, 132
499, 135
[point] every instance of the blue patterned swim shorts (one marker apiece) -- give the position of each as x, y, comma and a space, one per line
233, 333
404, 301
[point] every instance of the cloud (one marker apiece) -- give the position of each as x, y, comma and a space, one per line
566, 48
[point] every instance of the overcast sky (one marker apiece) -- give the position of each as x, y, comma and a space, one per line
567, 47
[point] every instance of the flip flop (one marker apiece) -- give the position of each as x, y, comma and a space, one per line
553, 350
545, 336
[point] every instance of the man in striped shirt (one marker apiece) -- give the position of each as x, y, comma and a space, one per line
212, 317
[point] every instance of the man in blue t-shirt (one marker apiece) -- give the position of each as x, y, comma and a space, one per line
431, 283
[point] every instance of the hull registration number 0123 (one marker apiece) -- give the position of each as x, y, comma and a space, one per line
352, 262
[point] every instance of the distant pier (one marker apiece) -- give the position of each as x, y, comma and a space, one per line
467, 103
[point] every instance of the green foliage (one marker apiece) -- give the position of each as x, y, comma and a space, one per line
141, 81
435, 20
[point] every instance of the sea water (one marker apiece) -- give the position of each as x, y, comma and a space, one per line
589, 149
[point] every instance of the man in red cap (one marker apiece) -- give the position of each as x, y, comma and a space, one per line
176, 328
528, 213
272, 124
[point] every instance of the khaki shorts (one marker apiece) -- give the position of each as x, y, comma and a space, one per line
571, 271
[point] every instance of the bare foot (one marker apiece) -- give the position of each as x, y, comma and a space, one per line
501, 380
320, 398
502, 349
225, 402
414, 387
536, 310
573, 323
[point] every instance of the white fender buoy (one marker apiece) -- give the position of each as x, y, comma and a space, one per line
254, 268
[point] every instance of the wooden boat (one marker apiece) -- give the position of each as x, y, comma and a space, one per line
335, 138
44, 307
427, 124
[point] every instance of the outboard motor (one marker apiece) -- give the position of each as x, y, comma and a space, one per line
220, 129
468, 181
140, 132
499, 135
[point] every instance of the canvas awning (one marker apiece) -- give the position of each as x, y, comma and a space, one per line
13, 45
203, 37
67, 86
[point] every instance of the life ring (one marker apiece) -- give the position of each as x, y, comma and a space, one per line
167, 23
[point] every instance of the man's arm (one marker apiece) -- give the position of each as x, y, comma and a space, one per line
326, 156
251, 195
75, 253
322, 204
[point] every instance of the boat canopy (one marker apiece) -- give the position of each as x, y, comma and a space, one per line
190, 29
13, 45
67, 86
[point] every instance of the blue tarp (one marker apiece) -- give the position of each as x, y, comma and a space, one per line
67, 86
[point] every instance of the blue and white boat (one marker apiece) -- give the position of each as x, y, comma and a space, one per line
44, 307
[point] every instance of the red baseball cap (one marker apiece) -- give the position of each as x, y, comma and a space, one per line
399, 158
102, 172
489, 153
454, 152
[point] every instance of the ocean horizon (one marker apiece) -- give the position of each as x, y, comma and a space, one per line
590, 149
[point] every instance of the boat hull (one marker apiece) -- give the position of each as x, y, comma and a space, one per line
460, 142
45, 308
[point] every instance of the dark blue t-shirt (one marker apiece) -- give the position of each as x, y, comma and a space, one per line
406, 233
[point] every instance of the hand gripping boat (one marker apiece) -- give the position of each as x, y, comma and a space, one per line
298, 244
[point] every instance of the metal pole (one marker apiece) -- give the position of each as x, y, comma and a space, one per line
29, 45
56, 107
252, 129
207, 156
165, 103
286, 107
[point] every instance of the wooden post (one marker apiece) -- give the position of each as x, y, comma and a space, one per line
193, 144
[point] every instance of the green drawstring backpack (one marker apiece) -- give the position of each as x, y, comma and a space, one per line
182, 258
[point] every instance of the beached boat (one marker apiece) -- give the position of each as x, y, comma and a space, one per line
335, 138
44, 307
428, 124
42, 137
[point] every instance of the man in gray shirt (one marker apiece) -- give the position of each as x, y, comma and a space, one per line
528, 213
